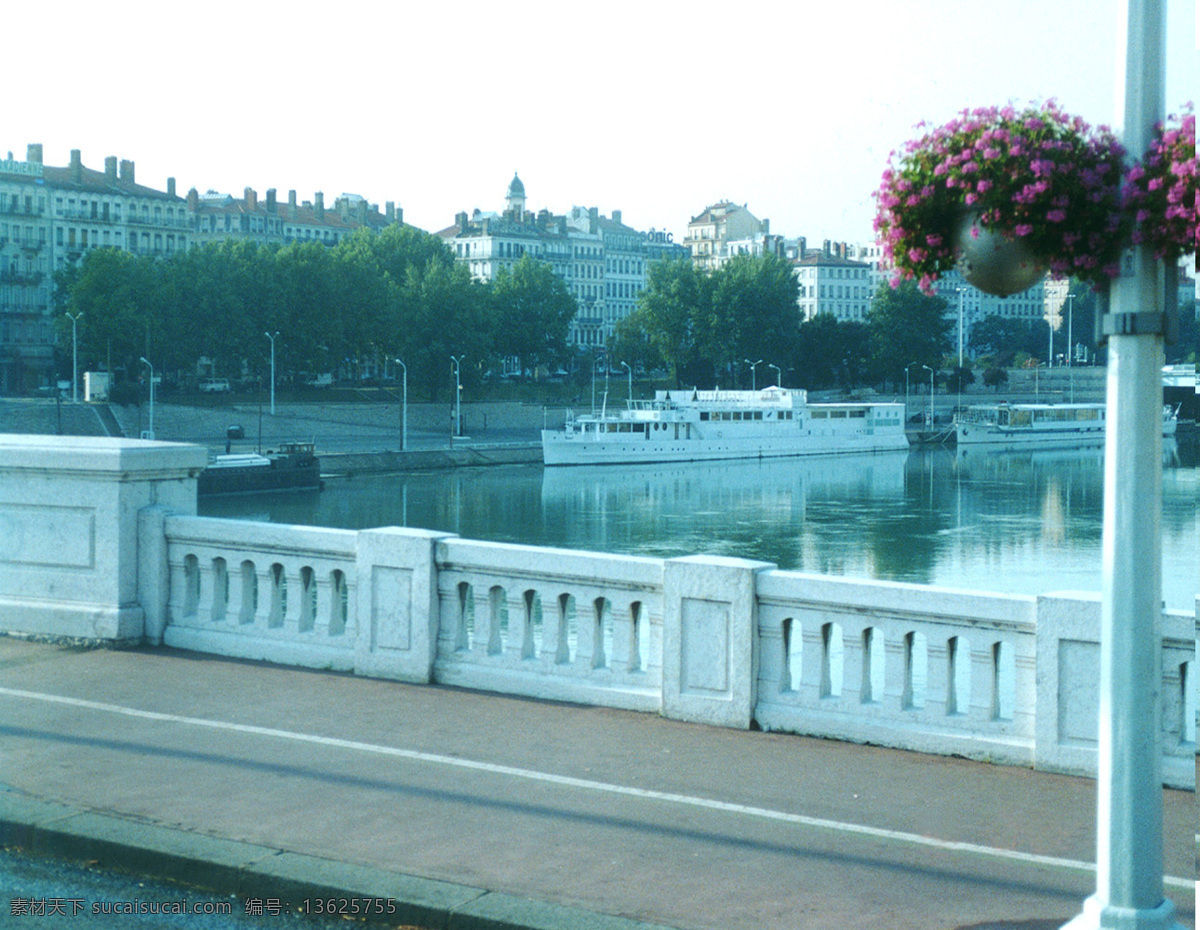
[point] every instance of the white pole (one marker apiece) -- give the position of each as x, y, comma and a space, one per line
1129, 861
75, 318
404, 408
150, 431
272, 336
960, 327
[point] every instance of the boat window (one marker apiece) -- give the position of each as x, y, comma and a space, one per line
838, 414
703, 415
820, 414
858, 413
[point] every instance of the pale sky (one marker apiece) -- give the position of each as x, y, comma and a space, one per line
656, 108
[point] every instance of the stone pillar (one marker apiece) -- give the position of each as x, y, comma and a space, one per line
710, 639
72, 547
397, 604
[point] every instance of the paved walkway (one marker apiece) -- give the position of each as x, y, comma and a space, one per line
550, 815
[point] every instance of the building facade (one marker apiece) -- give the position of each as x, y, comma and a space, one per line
601, 260
221, 216
49, 218
709, 235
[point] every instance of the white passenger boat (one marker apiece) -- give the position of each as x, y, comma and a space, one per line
695, 426
1018, 426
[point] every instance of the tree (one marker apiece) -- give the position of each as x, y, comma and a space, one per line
831, 352
995, 377
676, 295
906, 326
753, 312
531, 313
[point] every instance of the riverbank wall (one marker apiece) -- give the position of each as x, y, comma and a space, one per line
348, 464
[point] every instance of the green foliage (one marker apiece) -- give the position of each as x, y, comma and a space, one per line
995, 378
906, 327
831, 352
532, 311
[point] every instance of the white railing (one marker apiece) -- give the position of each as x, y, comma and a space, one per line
550, 623
997, 677
282, 593
899, 664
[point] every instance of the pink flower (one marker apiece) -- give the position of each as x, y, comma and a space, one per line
1023, 229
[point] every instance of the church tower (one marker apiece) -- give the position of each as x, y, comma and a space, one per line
514, 199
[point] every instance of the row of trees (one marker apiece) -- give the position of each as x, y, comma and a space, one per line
705, 326
372, 298
400, 294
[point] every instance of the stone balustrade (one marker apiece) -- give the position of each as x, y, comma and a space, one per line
110, 549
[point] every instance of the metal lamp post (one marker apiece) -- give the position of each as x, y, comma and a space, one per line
150, 431
75, 318
753, 365
1129, 789
906, 368
457, 361
778, 374
930, 370
272, 336
961, 292
403, 406
629, 370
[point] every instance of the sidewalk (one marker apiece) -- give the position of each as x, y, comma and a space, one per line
480, 811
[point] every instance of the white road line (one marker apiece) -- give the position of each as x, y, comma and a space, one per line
582, 783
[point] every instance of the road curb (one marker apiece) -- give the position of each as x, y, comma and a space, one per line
251, 871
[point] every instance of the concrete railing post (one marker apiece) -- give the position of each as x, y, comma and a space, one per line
70, 532
710, 639
397, 616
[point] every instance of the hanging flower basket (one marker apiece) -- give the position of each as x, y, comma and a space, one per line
1044, 182
1160, 191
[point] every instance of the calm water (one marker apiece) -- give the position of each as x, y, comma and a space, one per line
1013, 522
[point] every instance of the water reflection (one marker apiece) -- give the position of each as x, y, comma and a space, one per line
1014, 522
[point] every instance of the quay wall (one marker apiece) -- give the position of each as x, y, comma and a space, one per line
100, 542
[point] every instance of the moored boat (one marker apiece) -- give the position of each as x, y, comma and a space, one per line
695, 426
294, 467
1015, 426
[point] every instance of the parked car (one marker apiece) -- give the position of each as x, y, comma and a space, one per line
214, 386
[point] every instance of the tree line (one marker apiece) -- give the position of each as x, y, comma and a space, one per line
370, 299
400, 294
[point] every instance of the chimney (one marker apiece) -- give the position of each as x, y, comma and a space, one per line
291, 205
461, 220
193, 199
170, 187
33, 153
251, 198
127, 171
616, 216
362, 212
766, 227
801, 247
76, 166
342, 206
389, 211
400, 215
271, 206
110, 169
593, 219
827, 247
319, 206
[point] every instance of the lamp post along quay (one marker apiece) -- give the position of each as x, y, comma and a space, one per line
272, 337
75, 318
1129, 858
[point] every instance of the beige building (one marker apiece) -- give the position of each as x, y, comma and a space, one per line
709, 235
49, 218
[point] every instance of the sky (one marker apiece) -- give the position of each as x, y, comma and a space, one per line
656, 108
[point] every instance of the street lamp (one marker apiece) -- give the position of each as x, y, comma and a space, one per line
778, 374
906, 368
753, 365
403, 407
457, 362
625, 365
930, 370
272, 336
596, 361
1070, 328
150, 431
1129, 784
961, 292
75, 318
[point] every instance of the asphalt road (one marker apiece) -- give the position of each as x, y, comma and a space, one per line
44, 893
622, 813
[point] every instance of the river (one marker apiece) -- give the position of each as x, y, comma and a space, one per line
1026, 523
